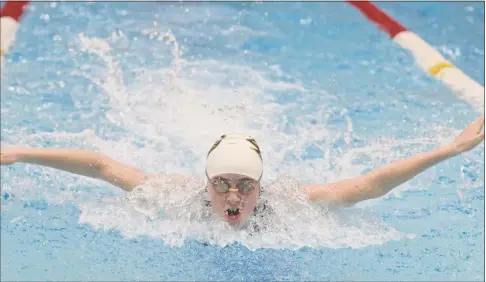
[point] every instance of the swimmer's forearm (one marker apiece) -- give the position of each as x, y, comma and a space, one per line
382, 180
86, 163
80, 162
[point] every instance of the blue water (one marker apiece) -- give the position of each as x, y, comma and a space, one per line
326, 90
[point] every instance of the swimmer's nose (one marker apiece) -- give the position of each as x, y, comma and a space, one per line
233, 196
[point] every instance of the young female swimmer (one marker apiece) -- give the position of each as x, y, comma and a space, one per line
234, 169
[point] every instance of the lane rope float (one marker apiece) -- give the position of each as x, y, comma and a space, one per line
10, 15
426, 57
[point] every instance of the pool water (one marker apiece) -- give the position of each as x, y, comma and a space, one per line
325, 93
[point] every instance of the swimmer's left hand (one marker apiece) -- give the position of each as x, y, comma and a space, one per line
470, 137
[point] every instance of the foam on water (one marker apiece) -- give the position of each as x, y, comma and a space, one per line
172, 208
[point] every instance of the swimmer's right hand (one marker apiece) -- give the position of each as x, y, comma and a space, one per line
10, 156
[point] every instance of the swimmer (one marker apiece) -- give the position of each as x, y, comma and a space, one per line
234, 168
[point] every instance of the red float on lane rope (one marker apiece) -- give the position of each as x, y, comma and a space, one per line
10, 15
377, 16
13, 9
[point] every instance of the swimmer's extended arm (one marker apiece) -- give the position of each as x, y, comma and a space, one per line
382, 180
80, 162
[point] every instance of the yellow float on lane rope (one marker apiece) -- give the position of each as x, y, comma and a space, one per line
435, 69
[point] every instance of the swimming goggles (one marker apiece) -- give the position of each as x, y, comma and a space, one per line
222, 185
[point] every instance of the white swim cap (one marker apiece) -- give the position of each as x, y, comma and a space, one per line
235, 153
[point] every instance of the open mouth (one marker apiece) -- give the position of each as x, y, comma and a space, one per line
232, 213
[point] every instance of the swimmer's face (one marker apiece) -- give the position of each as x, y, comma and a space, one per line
233, 197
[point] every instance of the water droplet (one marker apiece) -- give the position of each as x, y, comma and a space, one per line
45, 17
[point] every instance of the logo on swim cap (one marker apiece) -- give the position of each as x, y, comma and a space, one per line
216, 144
235, 153
255, 148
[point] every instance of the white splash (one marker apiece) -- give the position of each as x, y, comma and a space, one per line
172, 208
